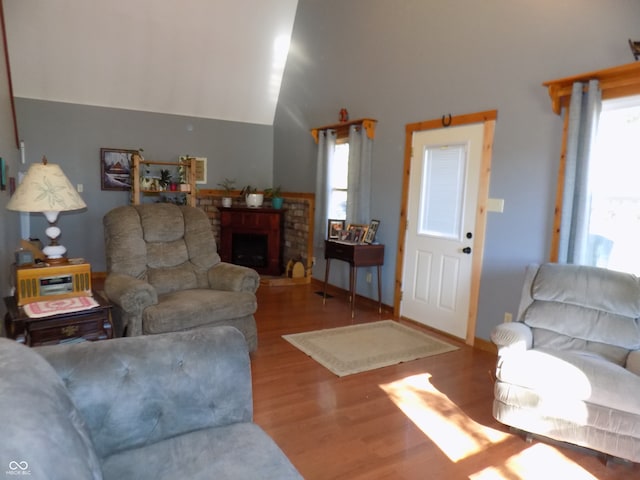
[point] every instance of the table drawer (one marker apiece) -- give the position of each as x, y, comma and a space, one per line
340, 251
356, 254
88, 327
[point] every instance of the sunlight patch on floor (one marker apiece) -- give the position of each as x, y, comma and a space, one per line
537, 461
457, 435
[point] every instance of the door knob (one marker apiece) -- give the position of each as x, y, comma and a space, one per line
466, 250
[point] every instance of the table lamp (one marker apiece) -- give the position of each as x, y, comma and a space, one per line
46, 189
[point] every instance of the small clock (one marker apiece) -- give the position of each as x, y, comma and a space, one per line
24, 257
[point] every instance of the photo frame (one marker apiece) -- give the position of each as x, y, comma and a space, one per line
115, 168
370, 237
357, 232
334, 229
201, 168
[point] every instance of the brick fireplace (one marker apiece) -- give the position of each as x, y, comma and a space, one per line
252, 237
297, 224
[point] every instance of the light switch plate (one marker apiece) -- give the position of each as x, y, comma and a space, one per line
495, 205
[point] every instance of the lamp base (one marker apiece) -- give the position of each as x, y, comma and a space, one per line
54, 252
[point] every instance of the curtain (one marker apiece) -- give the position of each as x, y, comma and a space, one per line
359, 182
584, 111
326, 146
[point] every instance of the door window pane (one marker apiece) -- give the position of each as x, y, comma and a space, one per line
442, 195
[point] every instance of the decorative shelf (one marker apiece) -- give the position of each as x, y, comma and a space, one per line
615, 82
342, 128
137, 193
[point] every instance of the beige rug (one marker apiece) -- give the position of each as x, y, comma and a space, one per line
358, 348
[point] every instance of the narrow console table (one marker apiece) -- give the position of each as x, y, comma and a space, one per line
356, 255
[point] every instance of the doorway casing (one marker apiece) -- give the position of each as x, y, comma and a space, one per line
488, 119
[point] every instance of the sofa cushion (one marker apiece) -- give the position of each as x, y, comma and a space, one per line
550, 340
197, 307
590, 287
42, 432
587, 303
237, 451
573, 375
166, 280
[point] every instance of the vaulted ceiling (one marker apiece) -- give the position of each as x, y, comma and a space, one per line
219, 59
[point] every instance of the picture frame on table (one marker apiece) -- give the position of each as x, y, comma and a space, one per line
357, 232
334, 229
115, 168
370, 237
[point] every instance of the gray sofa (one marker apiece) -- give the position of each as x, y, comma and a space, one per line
569, 367
176, 405
165, 274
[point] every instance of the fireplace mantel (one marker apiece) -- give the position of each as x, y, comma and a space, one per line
242, 228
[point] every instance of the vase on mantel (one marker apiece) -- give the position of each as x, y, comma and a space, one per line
254, 200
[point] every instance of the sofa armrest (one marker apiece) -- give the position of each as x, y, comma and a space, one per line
136, 391
633, 362
130, 294
510, 337
236, 278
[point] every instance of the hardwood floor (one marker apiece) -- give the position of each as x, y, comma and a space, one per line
425, 419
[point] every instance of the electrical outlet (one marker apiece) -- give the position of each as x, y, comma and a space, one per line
369, 277
508, 317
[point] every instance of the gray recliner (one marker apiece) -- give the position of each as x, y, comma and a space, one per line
164, 274
569, 367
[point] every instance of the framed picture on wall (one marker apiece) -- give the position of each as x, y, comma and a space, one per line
201, 167
115, 168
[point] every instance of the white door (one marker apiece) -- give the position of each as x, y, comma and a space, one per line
441, 217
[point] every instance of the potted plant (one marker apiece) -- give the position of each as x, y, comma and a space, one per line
252, 197
227, 185
184, 185
165, 179
274, 194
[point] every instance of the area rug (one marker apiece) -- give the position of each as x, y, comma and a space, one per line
358, 348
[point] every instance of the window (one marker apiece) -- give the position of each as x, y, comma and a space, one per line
612, 205
343, 174
338, 182
614, 173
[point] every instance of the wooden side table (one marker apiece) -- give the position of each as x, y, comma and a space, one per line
357, 255
94, 324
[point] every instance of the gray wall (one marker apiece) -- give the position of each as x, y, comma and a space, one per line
412, 60
72, 135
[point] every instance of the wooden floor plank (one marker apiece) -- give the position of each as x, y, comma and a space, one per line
350, 427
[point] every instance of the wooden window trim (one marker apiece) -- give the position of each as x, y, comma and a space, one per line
342, 129
621, 81
615, 82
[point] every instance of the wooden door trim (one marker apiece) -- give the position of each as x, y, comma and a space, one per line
488, 119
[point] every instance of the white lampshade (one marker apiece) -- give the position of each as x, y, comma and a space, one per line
46, 189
